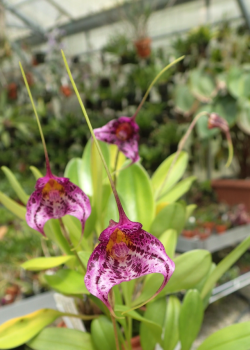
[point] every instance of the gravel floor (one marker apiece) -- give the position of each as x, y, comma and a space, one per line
224, 312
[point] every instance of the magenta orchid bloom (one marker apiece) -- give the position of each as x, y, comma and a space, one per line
126, 252
215, 121
123, 132
55, 197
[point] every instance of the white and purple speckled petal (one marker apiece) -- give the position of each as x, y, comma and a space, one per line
56, 197
128, 253
123, 132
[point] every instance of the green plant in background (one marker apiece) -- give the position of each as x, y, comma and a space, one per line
174, 322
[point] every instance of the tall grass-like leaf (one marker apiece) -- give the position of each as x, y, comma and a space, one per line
15, 185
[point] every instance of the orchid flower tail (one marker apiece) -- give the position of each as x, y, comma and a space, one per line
153, 82
38, 121
230, 149
122, 214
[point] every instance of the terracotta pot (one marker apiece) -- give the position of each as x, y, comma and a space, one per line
204, 235
66, 90
189, 233
208, 225
221, 228
135, 343
143, 47
233, 191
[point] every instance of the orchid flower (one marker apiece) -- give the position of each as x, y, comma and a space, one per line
125, 251
54, 196
215, 121
124, 131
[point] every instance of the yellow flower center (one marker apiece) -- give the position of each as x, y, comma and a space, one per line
53, 190
118, 245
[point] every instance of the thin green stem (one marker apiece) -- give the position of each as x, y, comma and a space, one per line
152, 84
115, 332
230, 149
38, 121
118, 202
180, 147
66, 235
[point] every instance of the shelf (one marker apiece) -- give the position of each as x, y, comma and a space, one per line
215, 242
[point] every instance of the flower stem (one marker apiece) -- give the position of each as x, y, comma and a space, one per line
65, 233
180, 147
38, 122
118, 202
152, 84
115, 332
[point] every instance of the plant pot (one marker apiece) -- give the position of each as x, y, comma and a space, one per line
189, 233
208, 225
221, 228
204, 235
12, 91
233, 191
66, 90
135, 343
143, 47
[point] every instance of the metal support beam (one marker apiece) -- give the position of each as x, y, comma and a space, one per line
244, 11
99, 19
60, 9
39, 33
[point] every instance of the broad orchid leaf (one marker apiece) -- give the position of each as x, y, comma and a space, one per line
224, 265
190, 268
133, 184
155, 312
113, 153
68, 282
169, 240
37, 174
191, 317
61, 339
14, 207
189, 210
53, 231
173, 216
178, 190
171, 328
236, 336
159, 176
102, 333
84, 256
238, 83
243, 116
73, 171
39, 264
15, 185
202, 85
21, 329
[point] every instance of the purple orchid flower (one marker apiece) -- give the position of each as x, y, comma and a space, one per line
123, 132
215, 121
56, 197
125, 252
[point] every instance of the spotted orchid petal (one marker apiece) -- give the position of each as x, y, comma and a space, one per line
55, 197
126, 252
123, 132
215, 121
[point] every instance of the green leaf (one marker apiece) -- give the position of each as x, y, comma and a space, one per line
224, 265
61, 339
238, 83
21, 329
37, 174
176, 173
68, 282
190, 269
189, 210
155, 312
73, 171
53, 231
202, 85
75, 231
15, 185
169, 240
178, 190
46, 263
171, 328
183, 99
133, 184
84, 256
102, 333
154, 327
236, 336
243, 120
13, 206
191, 317
173, 216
